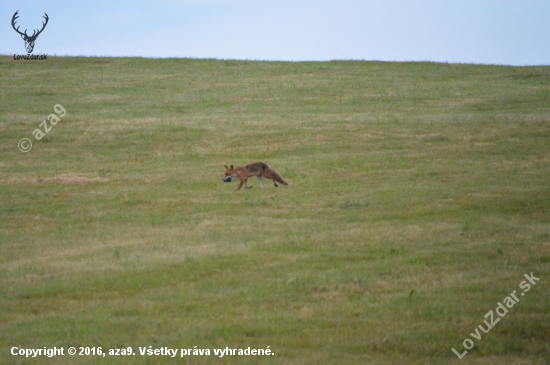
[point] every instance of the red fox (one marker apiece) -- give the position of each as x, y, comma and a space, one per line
257, 169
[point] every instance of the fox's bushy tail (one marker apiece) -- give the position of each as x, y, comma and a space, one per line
278, 177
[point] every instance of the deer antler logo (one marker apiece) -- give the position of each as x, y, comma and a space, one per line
29, 40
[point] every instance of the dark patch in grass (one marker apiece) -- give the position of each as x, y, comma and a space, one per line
436, 139
350, 205
531, 76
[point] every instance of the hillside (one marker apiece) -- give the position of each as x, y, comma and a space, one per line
419, 198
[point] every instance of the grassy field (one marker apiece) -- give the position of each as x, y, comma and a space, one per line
419, 197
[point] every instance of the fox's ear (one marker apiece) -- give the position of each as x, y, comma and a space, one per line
231, 167
226, 166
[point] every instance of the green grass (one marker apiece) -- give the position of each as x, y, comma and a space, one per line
419, 198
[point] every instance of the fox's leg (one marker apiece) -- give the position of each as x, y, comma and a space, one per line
246, 184
240, 185
259, 177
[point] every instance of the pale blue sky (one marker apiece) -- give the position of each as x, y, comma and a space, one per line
466, 31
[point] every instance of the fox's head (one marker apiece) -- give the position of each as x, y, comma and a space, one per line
229, 173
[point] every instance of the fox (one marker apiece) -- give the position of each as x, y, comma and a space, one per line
257, 169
